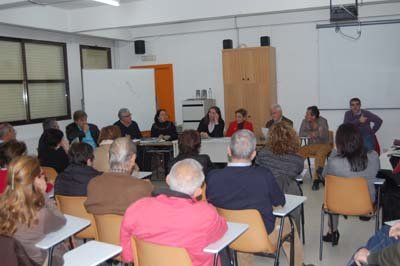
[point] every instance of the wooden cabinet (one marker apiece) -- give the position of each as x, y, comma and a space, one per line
250, 83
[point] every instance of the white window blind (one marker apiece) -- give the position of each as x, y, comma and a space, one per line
94, 58
12, 106
47, 100
10, 61
44, 61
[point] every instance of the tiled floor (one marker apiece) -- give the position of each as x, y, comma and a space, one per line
353, 233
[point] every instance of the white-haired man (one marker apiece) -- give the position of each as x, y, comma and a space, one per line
114, 191
127, 125
174, 217
7, 132
277, 116
243, 186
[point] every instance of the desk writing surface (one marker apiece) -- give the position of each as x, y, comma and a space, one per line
216, 148
292, 202
142, 174
90, 254
233, 232
72, 226
391, 223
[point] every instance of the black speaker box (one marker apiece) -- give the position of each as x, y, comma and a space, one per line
140, 47
227, 44
264, 40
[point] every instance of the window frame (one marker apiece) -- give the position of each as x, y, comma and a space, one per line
25, 81
107, 49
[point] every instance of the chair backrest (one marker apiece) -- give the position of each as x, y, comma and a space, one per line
331, 138
255, 239
149, 254
203, 192
348, 196
50, 174
75, 206
108, 229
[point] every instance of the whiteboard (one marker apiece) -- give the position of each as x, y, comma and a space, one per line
367, 68
108, 90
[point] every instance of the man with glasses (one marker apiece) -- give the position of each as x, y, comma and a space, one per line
127, 125
7, 133
363, 119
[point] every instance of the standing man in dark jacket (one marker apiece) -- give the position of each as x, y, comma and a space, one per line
362, 119
74, 179
81, 129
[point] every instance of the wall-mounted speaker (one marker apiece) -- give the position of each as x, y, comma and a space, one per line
227, 44
140, 47
264, 40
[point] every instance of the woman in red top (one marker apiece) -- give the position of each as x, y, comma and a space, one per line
239, 123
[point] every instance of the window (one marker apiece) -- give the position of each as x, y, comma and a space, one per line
33, 81
94, 57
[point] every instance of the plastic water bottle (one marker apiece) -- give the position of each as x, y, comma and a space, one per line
209, 93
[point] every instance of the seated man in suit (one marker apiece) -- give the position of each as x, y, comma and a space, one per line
277, 116
81, 129
7, 132
383, 248
127, 125
114, 191
315, 128
243, 186
173, 217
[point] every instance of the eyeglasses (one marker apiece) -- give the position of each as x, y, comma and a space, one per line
124, 116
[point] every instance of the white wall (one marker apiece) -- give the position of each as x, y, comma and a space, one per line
31, 133
197, 62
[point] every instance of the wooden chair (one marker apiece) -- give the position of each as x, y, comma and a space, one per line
108, 229
346, 196
255, 239
50, 174
149, 254
203, 192
75, 206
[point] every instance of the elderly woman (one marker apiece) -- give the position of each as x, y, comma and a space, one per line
189, 143
107, 136
349, 161
280, 156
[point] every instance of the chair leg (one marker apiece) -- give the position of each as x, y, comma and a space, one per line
309, 167
331, 221
236, 263
321, 232
302, 224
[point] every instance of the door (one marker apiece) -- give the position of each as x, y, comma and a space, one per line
164, 83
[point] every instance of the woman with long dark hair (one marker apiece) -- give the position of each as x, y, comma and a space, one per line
162, 127
212, 125
350, 160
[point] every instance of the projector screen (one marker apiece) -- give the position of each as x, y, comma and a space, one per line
367, 68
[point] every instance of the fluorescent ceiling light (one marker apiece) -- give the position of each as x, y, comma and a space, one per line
109, 2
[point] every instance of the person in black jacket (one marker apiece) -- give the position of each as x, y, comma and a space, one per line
189, 144
82, 130
74, 179
53, 152
212, 125
127, 125
162, 128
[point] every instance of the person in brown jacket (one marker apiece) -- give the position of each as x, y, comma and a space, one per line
27, 214
113, 192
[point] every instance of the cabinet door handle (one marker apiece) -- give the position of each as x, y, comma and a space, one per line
242, 78
248, 79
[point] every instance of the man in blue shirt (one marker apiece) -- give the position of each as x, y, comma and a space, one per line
83, 131
243, 186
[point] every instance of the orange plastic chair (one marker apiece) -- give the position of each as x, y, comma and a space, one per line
50, 174
346, 196
149, 254
255, 239
75, 206
108, 229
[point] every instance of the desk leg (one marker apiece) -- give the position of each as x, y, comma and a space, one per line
291, 241
278, 249
377, 223
50, 260
216, 259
